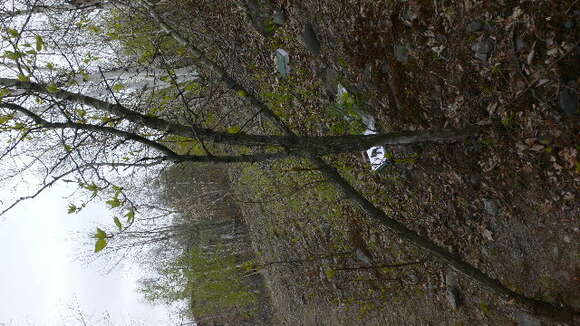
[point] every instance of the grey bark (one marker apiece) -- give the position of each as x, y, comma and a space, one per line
295, 145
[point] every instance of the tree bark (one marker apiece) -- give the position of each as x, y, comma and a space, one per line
295, 145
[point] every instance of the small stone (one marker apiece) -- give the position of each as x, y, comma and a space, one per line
567, 239
487, 234
413, 277
568, 100
453, 297
452, 290
525, 319
368, 120
279, 17
310, 39
481, 56
474, 26
491, 206
482, 49
362, 256
401, 53
282, 62
384, 68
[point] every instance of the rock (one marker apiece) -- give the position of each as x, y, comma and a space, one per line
330, 78
401, 53
487, 234
474, 26
453, 297
452, 291
568, 100
362, 256
491, 206
413, 277
279, 17
368, 120
384, 68
482, 49
525, 319
310, 39
282, 62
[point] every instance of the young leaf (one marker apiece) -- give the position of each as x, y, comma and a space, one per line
4, 92
100, 234
115, 202
118, 223
100, 245
23, 78
234, 129
72, 208
52, 88
12, 32
39, 43
118, 87
130, 216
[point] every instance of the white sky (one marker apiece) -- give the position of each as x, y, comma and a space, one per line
40, 279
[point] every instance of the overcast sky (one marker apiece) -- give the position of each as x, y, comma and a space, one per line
40, 279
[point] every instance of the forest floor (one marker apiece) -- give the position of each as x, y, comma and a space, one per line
505, 201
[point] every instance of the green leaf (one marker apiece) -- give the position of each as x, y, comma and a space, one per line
39, 43
118, 223
19, 126
115, 202
118, 87
100, 245
100, 234
92, 187
50, 66
130, 216
13, 55
330, 273
242, 93
5, 118
4, 92
72, 208
52, 88
23, 78
12, 32
234, 129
